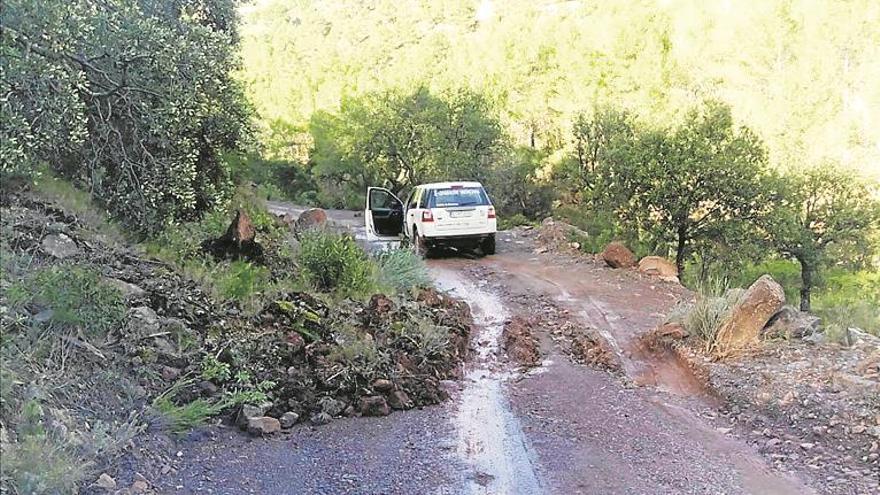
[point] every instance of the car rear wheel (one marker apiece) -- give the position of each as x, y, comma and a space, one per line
488, 245
419, 244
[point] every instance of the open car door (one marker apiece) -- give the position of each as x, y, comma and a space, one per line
384, 215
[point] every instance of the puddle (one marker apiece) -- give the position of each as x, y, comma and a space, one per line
490, 439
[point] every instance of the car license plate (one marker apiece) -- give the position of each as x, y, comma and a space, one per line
459, 214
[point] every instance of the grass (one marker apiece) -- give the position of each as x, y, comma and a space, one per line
843, 299
75, 297
80, 203
402, 270
704, 317
38, 463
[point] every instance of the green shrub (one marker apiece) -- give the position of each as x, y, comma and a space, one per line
704, 316
38, 463
402, 270
601, 228
334, 262
76, 297
240, 280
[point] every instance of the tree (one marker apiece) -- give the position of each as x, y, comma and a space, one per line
815, 210
687, 184
399, 139
133, 100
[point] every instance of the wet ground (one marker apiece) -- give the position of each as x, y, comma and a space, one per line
559, 428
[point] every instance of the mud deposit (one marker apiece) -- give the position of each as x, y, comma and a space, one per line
490, 438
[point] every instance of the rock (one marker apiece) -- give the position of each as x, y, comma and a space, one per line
616, 255
657, 266
249, 411
574, 245
129, 291
380, 304
44, 316
311, 219
170, 373
674, 331
399, 400
321, 418
208, 388
241, 229
331, 406
374, 405
807, 445
263, 425
382, 385
788, 323
143, 321
106, 482
288, 419
139, 486
750, 314
547, 221
59, 246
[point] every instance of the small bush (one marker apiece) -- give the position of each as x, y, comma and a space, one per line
402, 270
181, 418
704, 316
334, 262
241, 280
37, 463
76, 297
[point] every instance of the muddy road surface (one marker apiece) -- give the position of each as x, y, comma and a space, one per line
632, 422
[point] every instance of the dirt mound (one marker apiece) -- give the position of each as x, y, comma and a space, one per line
589, 348
556, 236
519, 343
167, 351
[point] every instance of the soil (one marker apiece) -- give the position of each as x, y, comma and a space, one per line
561, 394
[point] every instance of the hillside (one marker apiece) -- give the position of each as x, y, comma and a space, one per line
800, 73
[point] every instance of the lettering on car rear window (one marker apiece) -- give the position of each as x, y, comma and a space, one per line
458, 196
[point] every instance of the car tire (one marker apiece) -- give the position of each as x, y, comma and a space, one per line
488, 245
419, 245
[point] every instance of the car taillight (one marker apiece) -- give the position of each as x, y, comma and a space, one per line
427, 216
491, 212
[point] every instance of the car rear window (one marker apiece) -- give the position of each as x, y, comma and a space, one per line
458, 196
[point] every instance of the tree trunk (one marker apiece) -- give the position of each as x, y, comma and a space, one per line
679, 250
806, 284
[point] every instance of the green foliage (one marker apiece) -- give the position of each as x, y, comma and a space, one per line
277, 179
334, 262
400, 139
242, 279
76, 297
134, 100
815, 209
539, 65
181, 418
515, 188
215, 370
402, 270
602, 226
686, 185
39, 463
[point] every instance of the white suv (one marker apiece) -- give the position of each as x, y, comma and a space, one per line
457, 214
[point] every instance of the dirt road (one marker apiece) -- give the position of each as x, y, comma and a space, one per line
560, 427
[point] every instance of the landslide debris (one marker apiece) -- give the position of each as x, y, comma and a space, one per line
161, 354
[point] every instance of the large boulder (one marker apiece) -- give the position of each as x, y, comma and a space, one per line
750, 314
314, 218
374, 405
238, 241
657, 266
616, 255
